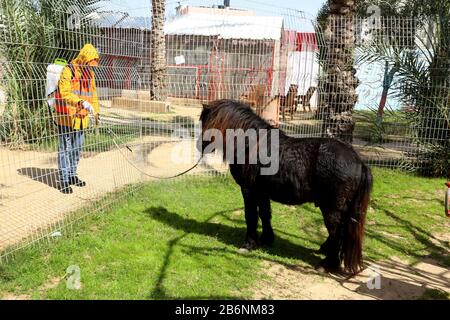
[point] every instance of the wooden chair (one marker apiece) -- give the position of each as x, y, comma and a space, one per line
289, 102
305, 99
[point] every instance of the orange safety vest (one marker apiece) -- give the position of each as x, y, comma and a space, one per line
84, 89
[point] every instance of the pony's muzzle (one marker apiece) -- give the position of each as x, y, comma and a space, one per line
202, 145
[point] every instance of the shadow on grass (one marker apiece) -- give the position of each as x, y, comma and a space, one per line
233, 236
437, 247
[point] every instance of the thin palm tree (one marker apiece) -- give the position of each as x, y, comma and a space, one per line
158, 84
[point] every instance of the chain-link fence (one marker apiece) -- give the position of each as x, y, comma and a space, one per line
277, 60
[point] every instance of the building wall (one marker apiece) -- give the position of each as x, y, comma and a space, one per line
216, 68
199, 67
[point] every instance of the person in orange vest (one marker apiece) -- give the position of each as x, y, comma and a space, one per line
75, 98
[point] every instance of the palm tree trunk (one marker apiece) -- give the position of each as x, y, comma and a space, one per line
341, 80
158, 84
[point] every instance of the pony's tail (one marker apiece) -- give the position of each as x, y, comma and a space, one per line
354, 232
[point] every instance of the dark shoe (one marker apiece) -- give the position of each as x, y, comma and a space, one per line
77, 182
65, 188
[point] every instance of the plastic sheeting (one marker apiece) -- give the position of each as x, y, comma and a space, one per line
226, 26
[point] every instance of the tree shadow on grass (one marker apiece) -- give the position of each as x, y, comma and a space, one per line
226, 234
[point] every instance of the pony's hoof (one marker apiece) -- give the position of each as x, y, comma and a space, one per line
326, 265
319, 251
249, 245
323, 248
321, 269
267, 239
243, 250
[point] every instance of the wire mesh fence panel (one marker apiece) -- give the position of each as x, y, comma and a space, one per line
402, 113
293, 73
46, 141
33, 35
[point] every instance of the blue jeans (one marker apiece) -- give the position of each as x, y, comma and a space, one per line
70, 143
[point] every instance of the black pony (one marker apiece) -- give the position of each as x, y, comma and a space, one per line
324, 171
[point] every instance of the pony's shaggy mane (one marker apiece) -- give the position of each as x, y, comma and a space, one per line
229, 114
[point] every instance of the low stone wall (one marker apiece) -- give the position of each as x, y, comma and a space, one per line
140, 105
139, 100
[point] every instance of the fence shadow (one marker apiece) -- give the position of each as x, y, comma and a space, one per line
47, 176
438, 247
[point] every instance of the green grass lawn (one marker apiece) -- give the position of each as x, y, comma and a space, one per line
180, 239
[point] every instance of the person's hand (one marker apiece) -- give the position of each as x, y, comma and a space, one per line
78, 107
97, 118
82, 114
88, 107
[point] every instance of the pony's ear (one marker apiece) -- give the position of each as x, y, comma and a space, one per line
205, 106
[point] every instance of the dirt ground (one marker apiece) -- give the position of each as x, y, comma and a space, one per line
30, 201
388, 280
